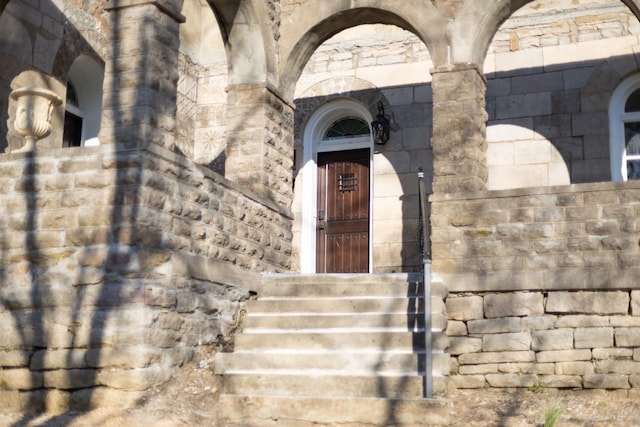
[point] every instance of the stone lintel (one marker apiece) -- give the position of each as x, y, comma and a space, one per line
165, 6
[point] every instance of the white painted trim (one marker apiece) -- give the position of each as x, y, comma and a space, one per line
617, 118
317, 125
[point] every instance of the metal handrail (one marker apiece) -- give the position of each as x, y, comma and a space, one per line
425, 251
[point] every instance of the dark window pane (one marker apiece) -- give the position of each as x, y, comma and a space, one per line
347, 127
633, 102
72, 136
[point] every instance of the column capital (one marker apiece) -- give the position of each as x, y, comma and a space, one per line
166, 6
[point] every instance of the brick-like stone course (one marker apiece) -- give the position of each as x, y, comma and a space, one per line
578, 339
114, 288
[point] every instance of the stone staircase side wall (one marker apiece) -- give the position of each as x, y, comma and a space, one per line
114, 267
543, 288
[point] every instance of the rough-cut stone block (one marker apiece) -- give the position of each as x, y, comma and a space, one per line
574, 368
467, 381
606, 381
516, 304
561, 381
67, 379
612, 353
635, 303
582, 321
456, 328
496, 357
511, 380
527, 368
57, 401
555, 339
624, 321
21, 379
538, 323
490, 368
593, 337
464, 308
122, 357
134, 379
494, 326
635, 381
58, 359
14, 358
507, 342
583, 302
10, 402
617, 367
462, 345
627, 337
563, 355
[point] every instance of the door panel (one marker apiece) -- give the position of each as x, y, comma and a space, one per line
343, 212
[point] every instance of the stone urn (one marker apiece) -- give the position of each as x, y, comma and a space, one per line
33, 114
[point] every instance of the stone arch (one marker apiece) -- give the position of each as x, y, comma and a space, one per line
353, 88
311, 26
249, 38
475, 27
76, 43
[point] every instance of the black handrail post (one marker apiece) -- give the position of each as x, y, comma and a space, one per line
425, 250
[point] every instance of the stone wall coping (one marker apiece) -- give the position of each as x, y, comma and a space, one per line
569, 279
536, 191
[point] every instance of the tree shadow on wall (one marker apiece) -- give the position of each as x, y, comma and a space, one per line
68, 314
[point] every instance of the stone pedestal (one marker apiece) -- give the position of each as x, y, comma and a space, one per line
259, 152
459, 130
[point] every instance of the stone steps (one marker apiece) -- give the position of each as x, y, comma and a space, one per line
277, 411
351, 343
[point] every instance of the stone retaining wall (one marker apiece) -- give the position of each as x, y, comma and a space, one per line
543, 286
114, 266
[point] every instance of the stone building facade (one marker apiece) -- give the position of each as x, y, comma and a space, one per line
193, 168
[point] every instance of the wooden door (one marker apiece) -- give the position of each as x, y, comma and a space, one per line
343, 212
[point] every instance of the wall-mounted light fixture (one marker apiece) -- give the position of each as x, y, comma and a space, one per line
380, 126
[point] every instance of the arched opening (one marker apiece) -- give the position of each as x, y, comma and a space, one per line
201, 112
346, 78
338, 126
83, 106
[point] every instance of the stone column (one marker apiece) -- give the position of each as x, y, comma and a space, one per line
459, 129
259, 152
141, 73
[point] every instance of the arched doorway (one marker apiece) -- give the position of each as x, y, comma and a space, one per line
336, 175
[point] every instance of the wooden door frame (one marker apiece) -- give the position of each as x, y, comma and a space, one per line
319, 122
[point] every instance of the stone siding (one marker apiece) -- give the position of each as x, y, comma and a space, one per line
115, 266
555, 339
543, 286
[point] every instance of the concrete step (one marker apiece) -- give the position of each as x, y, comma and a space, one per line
313, 383
336, 340
360, 363
337, 305
319, 285
328, 320
274, 411
383, 339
